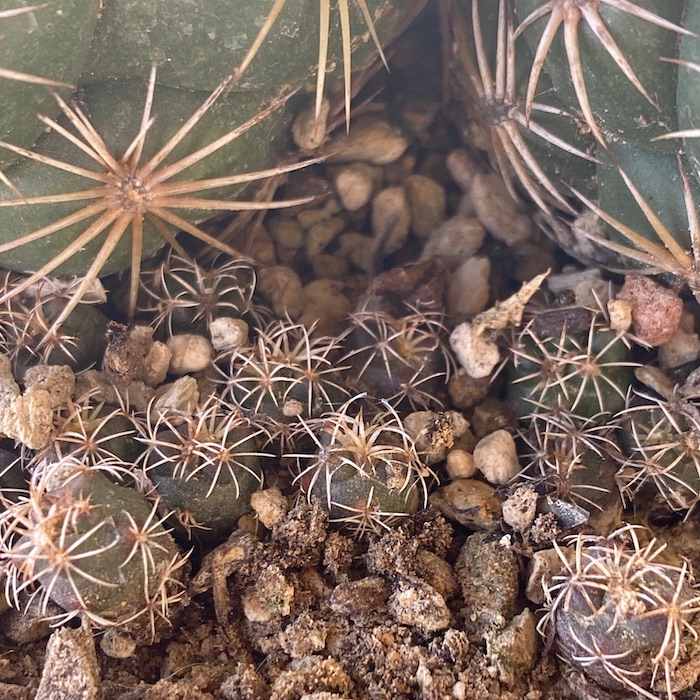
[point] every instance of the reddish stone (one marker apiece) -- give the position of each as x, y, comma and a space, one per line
656, 310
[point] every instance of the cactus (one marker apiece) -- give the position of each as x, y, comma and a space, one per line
622, 616
95, 435
660, 441
573, 459
107, 185
405, 360
577, 364
97, 549
184, 296
589, 63
26, 319
287, 374
365, 473
204, 465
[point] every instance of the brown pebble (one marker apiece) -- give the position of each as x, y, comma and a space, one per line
656, 310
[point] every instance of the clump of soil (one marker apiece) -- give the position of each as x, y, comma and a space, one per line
308, 612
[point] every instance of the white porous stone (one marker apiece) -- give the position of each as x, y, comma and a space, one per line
270, 505
427, 203
190, 353
228, 333
468, 289
476, 352
391, 219
354, 184
57, 380
497, 211
371, 139
496, 458
620, 313
520, 507
458, 238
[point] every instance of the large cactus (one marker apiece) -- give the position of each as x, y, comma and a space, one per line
130, 160
595, 105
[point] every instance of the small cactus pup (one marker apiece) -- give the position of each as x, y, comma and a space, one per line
365, 472
204, 464
94, 434
25, 321
183, 296
659, 438
622, 618
572, 360
287, 373
97, 549
573, 459
405, 361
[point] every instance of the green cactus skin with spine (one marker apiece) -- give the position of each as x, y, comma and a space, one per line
96, 548
364, 472
622, 616
108, 52
626, 75
205, 465
660, 441
187, 296
586, 372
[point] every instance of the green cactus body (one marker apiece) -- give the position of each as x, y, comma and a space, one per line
402, 360
366, 474
186, 297
623, 617
108, 52
26, 319
96, 548
572, 459
205, 466
593, 60
287, 374
576, 364
95, 435
660, 441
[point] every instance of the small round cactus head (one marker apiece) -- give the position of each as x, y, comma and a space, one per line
205, 465
287, 374
573, 458
97, 549
25, 320
186, 296
93, 434
574, 362
621, 615
659, 439
405, 361
365, 473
